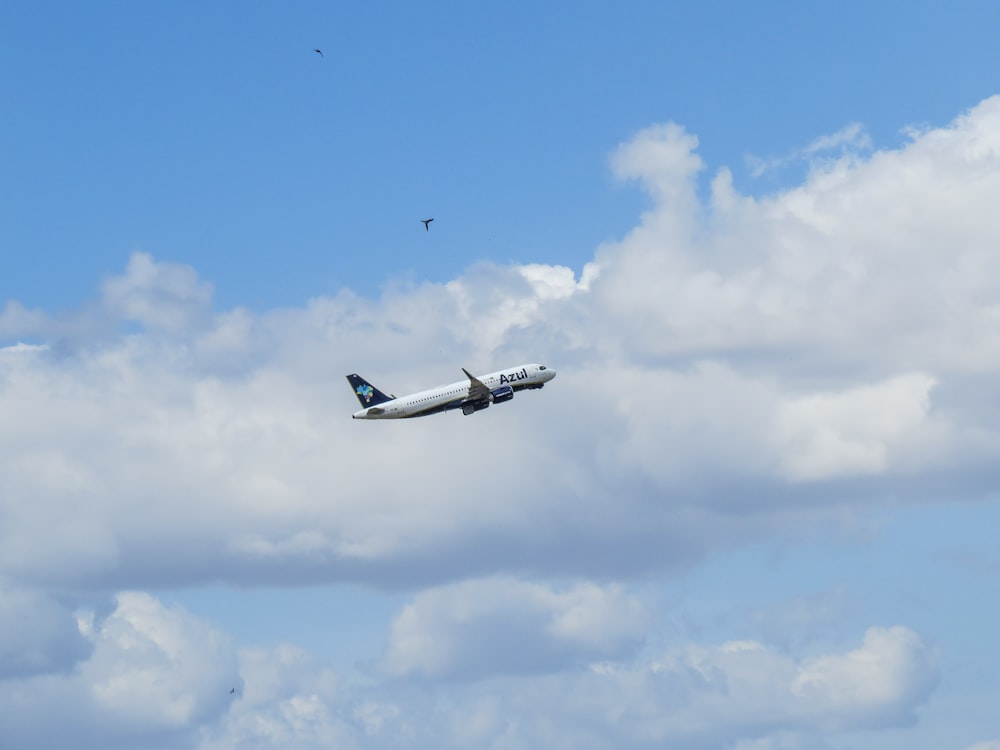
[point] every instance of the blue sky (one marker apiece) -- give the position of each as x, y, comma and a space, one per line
753, 511
207, 134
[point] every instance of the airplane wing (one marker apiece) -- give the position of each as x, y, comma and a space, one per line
477, 388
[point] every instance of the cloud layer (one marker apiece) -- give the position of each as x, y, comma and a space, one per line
730, 370
156, 676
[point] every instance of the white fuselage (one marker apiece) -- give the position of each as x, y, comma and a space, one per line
452, 396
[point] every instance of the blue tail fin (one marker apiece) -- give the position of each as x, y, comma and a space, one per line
367, 394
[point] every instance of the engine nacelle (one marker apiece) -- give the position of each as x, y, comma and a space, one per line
499, 395
468, 407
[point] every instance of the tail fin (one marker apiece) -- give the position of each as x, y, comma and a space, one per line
367, 394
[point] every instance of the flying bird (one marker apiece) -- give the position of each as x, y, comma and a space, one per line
427, 224
318, 52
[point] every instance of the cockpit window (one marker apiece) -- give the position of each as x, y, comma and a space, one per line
541, 367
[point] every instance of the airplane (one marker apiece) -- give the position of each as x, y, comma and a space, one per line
472, 395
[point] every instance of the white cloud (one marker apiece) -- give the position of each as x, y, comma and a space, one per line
162, 296
157, 676
764, 692
17, 320
153, 674
663, 159
850, 135
796, 337
157, 666
740, 693
499, 625
849, 141
723, 370
856, 431
816, 335
288, 700
883, 262
877, 684
696, 697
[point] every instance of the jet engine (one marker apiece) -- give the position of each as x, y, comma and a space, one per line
499, 395
468, 407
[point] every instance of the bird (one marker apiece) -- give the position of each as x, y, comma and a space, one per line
427, 224
232, 691
318, 52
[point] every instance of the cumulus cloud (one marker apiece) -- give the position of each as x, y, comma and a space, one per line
290, 700
153, 674
497, 626
877, 684
160, 296
870, 264
818, 335
689, 697
852, 432
727, 370
169, 674
157, 666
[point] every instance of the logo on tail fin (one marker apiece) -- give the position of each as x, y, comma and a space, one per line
368, 395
